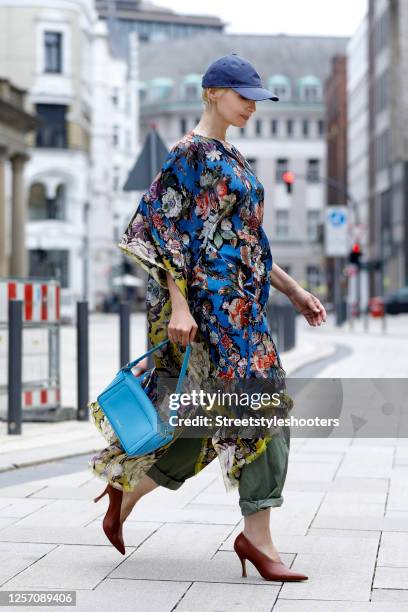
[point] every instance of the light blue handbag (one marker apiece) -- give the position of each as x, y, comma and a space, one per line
132, 414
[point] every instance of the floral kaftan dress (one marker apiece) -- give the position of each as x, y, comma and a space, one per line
201, 220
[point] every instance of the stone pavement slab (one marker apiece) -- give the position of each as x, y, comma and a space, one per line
386, 595
16, 557
360, 522
335, 577
132, 596
393, 551
391, 578
285, 605
70, 567
63, 513
208, 597
92, 534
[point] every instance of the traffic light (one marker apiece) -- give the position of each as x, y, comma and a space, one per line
288, 178
355, 254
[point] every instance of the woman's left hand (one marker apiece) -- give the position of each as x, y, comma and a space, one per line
308, 305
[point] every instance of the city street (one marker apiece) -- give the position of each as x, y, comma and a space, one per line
343, 521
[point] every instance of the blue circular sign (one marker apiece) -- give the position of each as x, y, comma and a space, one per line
337, 218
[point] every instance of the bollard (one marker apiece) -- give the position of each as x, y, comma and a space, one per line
124, 333
82, 361
15, 331
384, 322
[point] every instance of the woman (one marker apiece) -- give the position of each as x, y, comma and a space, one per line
198, 232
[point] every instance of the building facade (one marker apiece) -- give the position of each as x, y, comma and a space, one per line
84, 145
358, 153
15, 124
388, 144
289, 134
336, 165
150, 22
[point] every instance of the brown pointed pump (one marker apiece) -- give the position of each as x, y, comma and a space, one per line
111, 523
269, 569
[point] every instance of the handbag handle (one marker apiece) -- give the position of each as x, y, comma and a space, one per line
182, 374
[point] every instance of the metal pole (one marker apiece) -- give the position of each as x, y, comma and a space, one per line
82, 361
15, 337
358, 291
124, 333
337, 293
384, 323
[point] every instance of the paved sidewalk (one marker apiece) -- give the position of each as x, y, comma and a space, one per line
343, 521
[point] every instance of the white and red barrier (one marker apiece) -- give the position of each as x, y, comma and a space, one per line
41, 306
33, 398
41, 299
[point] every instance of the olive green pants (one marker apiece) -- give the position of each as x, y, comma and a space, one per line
260, 484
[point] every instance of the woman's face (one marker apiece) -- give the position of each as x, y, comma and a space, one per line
233, 108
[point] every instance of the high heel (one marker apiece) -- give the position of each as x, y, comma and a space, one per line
269, 569
111, 522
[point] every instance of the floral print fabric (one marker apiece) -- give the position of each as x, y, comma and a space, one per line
201, 220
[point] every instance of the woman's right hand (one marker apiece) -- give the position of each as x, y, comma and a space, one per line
182, 327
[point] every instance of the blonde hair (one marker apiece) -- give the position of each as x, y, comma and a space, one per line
205, 98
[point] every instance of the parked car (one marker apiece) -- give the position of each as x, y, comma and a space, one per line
397, 302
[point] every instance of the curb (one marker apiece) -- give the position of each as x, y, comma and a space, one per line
25, 464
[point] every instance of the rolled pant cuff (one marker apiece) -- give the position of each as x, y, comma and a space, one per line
249, 507
163, 480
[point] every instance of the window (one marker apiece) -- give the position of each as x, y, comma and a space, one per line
320, 127
53, 52
381, 150
312, 277
310, 89
258, 127
53, 132
313, 170
280, 85
49, 264
313, 220
115, 96
381, 32
41, 207
183, 126
115, 136
282, 223
116, 178
311, 93
160, 89
289, 127
274, 127
305, 127
281, 167
380, 92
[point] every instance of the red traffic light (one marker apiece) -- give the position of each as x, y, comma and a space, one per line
355, 254
288, 177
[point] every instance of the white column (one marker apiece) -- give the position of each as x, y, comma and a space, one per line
19, 259
3, 255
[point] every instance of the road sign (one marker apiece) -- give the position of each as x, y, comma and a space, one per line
336, 239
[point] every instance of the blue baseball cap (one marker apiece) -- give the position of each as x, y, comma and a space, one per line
237, 73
